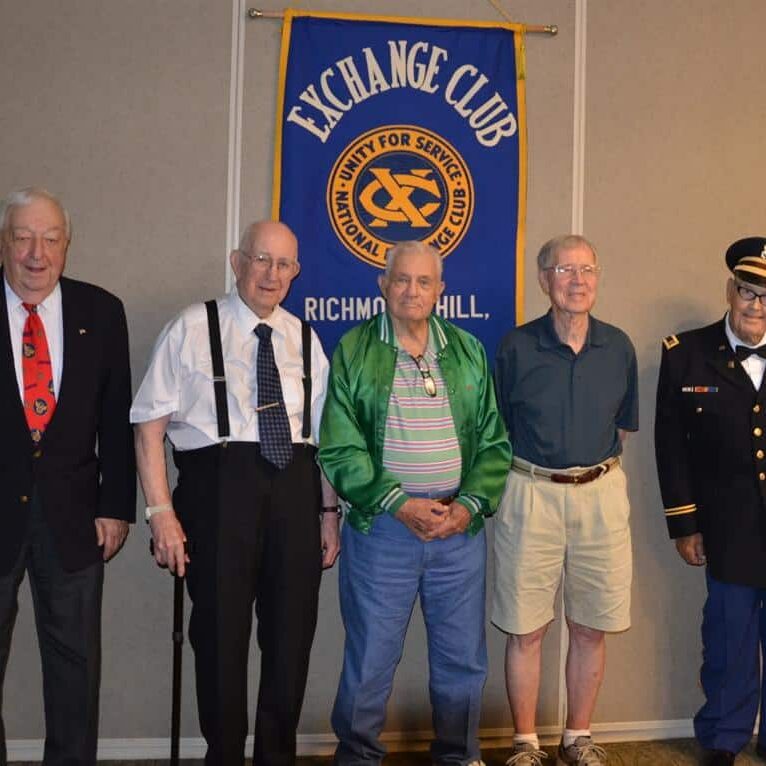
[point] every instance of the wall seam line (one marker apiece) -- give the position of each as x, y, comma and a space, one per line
578, 191
234, 168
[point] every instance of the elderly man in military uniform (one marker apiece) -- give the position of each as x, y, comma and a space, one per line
710, 440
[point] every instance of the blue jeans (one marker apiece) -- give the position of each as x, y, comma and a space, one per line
733, 632
381, 574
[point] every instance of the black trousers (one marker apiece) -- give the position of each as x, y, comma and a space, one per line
255, 539
67, 608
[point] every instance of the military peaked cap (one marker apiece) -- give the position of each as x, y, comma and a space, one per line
746, 258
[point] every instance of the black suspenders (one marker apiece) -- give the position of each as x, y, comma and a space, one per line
219, 375
306, 351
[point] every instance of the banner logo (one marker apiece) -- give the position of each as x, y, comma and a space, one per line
398, 183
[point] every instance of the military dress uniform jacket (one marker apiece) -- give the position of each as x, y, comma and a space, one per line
710, 443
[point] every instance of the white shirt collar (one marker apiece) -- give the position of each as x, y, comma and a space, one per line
247, 320
52, 300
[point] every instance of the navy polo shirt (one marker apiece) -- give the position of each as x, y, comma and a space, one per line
563, 409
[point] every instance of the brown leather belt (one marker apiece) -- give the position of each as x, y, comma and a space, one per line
574, 477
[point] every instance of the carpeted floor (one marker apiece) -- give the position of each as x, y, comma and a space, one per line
680, 752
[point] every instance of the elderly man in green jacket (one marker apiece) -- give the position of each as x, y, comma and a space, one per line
411, 438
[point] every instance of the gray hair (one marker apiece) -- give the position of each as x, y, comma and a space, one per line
550, 250
413, 246
26, 196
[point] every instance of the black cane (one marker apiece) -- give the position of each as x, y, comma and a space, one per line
178, 642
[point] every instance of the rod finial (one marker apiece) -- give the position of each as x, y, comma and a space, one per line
254, 13
552, 29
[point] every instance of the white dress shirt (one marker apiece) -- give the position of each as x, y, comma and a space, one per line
52, 316
754, 365
179, 381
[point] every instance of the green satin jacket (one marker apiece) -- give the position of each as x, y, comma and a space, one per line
354, 421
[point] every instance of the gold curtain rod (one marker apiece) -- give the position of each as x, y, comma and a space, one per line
546, 29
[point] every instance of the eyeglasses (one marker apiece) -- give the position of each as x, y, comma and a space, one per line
749, 295
264, 262
429, 384
568, 270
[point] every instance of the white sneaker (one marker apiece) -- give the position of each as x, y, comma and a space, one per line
582, 752
526, 754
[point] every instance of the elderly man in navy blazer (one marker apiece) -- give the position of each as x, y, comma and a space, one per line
67, 481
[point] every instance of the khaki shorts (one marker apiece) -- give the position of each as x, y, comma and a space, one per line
543, 529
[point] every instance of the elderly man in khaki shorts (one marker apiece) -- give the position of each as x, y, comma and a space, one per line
568, 391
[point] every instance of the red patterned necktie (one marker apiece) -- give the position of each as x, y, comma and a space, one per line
39, 401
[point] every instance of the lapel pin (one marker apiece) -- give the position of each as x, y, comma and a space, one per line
83, 331
731, 365
722, 348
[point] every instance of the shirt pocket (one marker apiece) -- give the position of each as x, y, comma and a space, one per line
292, 393
197, 392
200, 367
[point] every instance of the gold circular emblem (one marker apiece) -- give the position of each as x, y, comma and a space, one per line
399, 183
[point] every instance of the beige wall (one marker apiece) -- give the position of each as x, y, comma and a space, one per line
123, 109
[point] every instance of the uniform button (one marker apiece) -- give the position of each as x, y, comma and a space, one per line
760, 454
757, 408
757, 431
762, 476
24, 499
37, 453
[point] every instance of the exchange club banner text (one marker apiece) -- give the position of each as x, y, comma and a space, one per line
402, 129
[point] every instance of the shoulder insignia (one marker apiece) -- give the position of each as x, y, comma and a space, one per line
670, 342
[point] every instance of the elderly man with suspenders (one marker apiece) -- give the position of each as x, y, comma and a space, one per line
238, 387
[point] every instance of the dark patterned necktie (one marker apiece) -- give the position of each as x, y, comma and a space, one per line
273, 423
37, 374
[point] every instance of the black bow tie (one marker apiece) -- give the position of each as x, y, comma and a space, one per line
743, 352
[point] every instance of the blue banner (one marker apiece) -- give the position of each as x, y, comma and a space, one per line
402, 129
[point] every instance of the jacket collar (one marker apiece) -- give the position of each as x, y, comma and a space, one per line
721, 356
436, 332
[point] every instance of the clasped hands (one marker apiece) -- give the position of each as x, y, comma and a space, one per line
430, 520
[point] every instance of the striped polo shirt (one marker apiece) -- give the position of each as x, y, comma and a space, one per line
420, 446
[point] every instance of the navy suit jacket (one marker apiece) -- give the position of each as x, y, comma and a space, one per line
84, 466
